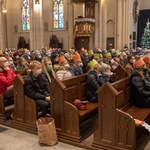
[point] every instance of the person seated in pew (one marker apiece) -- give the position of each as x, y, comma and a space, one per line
63, 69
6, 78
139, 91
106, 74
76, 67
37, 86
146, 59
93, 81
22, 64
11, 62
47, 67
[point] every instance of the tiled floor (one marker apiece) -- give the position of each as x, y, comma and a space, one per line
12, 139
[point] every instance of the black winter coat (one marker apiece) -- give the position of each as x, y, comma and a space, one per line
139, 91
37, 88
92, 84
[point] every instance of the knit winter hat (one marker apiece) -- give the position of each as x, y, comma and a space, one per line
146, 59
92, 63
90, 52
61, 59
1, 52
84, 51
108, 54
96, 55
104, 67
76, 57
139, 63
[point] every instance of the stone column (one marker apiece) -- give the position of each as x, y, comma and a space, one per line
123, 23
36, 25
127, 38
98, 24
70, 24
104, 24
3, 28
119, 24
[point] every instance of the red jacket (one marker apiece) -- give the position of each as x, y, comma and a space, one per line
6, 79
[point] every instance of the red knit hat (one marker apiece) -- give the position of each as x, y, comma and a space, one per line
139, 63
61, 59
146, 59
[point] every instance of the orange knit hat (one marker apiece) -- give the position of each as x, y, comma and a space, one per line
61, 59
1, 52
146, 59
76, 57
139, 63
84, 51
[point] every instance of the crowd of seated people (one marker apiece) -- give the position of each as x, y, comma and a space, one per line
98, 64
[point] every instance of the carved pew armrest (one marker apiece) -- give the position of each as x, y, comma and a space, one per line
30, 110
72, 119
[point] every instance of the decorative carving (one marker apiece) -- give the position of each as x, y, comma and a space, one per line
15, 28
135, 11
45, 26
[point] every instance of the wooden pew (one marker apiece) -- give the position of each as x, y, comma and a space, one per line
120, 73
21, 72
25, 112
6, 107
67, 117
116, 126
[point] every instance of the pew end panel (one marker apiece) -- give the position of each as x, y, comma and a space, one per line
31, 112
19, 98
110, 133
24, 119
57, 104
120, 73
125, 130
105, 134
74, 118
73, 121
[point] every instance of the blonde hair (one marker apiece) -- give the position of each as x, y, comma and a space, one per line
33, 64
44, 68
96, 68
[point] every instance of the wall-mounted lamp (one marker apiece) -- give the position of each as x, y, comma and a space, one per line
4, 10
37, 2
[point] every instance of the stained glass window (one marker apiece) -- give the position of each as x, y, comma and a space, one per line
58, 14
25, 15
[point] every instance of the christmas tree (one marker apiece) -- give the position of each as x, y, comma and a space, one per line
145, 40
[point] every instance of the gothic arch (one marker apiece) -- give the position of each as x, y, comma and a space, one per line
110, 28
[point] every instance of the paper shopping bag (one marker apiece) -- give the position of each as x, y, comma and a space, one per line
47, 131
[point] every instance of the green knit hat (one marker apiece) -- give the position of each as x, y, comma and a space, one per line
90, 52
108, 54
92, 63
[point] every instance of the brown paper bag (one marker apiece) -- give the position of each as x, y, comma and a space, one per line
47, 131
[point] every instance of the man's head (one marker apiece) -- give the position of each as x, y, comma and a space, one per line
3, 62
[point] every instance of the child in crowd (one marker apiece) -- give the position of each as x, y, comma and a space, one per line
37, 86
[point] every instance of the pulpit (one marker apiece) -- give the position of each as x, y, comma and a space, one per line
84, 27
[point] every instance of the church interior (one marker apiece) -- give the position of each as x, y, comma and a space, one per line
55, 35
